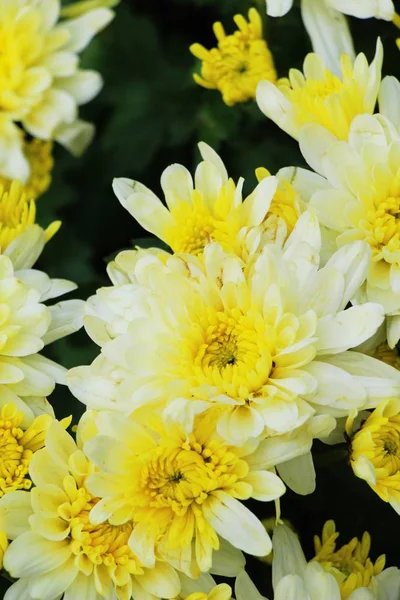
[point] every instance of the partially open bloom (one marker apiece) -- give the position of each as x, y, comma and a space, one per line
182, 489
344, 574
350, 564
264, 341
375, 452
42, 85
18, 443
57, 549
321, 96
240, 61
362, 201
326, 24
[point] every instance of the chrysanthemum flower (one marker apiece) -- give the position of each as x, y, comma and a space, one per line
345, 574
18, 443
57, 549
240, 61
265, 341
27, 324
182, 489
375, 452
362, 201
326, 25
42, 85
350, 564
320, 96
208, 209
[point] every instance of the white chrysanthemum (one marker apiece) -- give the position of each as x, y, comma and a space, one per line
27, 324
56, 549
327, 26
264, 341
362, 200
41, 85
320, 96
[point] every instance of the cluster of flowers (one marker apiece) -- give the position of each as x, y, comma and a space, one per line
271, 322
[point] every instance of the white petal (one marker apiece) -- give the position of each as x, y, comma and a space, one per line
291, 587
278, 8
52, 583
299, 474
177, 185
315, 142
336, 388
288, 555
364, 9
227, 560
76, 136
348, 328
234, 522
276, 107
31, 554
389, 99
208, 154
329, 32
15, 510
245, 588
83, 28
275, 450
143, 205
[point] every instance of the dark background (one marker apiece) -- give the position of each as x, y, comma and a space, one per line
149, 115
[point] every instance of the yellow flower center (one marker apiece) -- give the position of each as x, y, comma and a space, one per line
183, 476
231, 349
382, 226
310, 99
239, 62
95, 545
17, 214
23, 47
350, 564
197, 224
16, 449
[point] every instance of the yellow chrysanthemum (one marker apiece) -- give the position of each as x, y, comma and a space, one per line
240, 61
211, 208
319, 96
182, 489
17, 447
56, 546
375, 452
41, 85
18, 213
350, 564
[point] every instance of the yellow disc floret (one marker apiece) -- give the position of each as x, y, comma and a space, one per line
350, 564
240, 61
284, 204
18, 213
17, 446
97, 545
